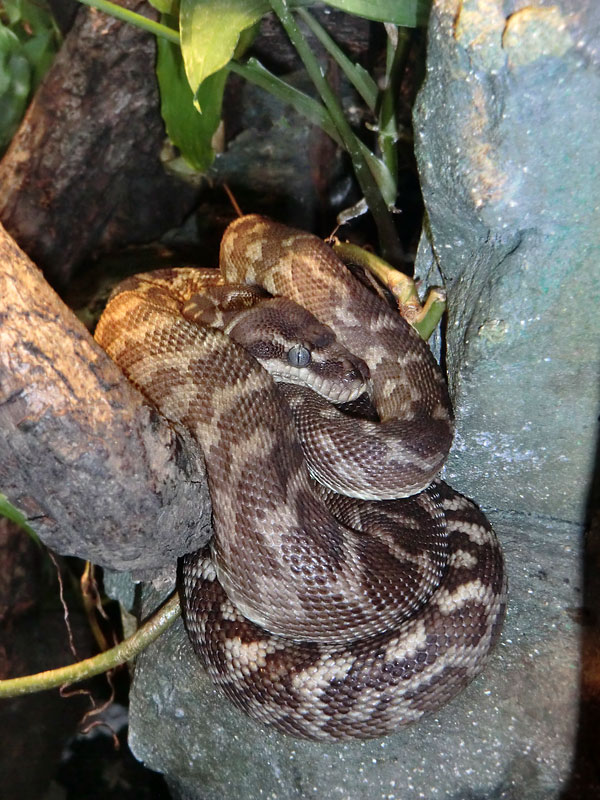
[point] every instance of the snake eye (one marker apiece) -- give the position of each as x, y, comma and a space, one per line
298, 356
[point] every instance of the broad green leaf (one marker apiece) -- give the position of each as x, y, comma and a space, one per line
166, 6
210, 31
189, 130
408, 13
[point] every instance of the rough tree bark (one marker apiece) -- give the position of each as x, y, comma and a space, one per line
97, 473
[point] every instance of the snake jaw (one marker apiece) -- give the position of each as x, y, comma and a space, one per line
344, 387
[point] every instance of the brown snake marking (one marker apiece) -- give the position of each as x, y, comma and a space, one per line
378, 611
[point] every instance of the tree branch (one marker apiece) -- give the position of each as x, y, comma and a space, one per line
97, 473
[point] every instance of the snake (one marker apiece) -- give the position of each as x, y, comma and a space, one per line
347, 589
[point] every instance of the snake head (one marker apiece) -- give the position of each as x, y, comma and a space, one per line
294, 347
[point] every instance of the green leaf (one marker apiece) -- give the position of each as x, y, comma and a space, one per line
210, 31
189, 130
165, 6
315, 112
15, 84
10, 512
408, 13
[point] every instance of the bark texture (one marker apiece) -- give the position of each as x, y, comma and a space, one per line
97, 473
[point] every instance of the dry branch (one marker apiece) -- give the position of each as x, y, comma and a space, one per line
97, 473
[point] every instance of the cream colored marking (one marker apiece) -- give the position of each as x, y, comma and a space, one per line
307, 682
254, 252
229, 611
249, 654
383, 323
286, 261
449, 602
352, 319
207, 570
408, 644
292, 240
476, 533
463, 559
440, 412
456, 503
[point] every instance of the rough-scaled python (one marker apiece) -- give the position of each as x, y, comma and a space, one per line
325, 615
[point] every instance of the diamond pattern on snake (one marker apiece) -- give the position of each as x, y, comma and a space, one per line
347, 589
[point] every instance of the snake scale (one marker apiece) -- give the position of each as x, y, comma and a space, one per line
347, 590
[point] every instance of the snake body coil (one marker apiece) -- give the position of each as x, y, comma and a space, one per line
329, 609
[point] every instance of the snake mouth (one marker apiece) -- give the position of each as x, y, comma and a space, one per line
339, 389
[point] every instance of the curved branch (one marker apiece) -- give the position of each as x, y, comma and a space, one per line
109, 659
96, 472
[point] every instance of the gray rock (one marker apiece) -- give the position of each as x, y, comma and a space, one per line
509, 155
513, 228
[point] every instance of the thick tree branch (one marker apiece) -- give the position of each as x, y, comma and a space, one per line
97, 473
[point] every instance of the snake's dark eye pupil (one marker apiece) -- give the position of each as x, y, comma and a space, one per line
298, 356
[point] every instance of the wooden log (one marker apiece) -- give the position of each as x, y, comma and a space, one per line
96, 471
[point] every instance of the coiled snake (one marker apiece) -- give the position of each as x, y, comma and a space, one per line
324, 605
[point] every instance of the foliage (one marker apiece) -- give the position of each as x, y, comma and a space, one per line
192, 132
215, 33
200, 42
213, 36
29, 40
10, 512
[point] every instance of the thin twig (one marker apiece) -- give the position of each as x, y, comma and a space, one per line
63, 603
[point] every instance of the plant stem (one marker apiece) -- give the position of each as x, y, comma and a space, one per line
388, 237
134, 19
123, 652
358, 77
14, 515
398, 45
423, 317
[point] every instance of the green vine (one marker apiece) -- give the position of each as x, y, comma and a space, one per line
109, 659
